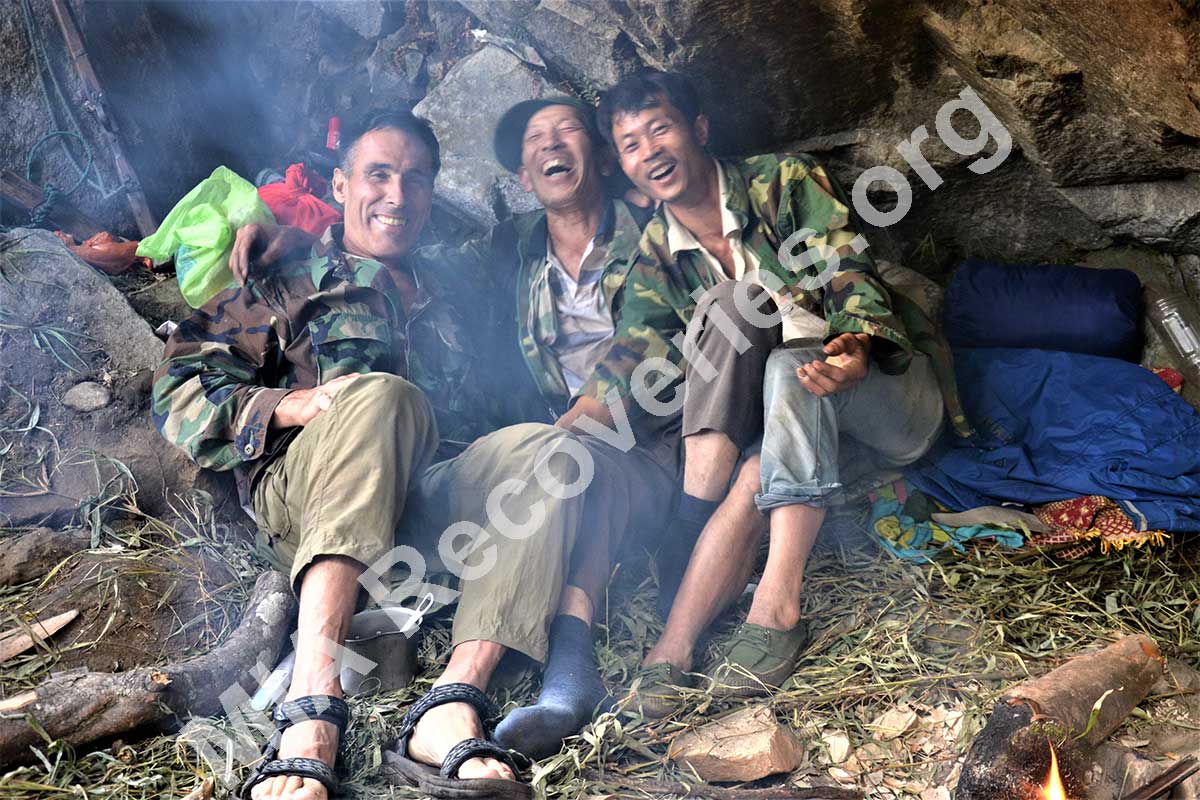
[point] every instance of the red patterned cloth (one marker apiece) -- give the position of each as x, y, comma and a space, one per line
1088, 521
294, 202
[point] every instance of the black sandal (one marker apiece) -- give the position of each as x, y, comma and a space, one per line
443, 783
311, 708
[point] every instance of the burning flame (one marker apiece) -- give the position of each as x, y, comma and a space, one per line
1053, 788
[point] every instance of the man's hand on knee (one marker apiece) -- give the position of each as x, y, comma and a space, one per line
845, 367
299, 407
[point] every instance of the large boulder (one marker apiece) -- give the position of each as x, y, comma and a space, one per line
1096, 92
64, 326
1161, 214
464, 109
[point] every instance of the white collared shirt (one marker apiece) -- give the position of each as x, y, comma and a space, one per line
798, 323
585, 324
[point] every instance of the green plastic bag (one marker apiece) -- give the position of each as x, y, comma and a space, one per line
199, 233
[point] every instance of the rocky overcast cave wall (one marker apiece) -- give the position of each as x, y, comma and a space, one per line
1102, 98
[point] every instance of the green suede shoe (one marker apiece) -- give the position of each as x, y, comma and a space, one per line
758, 659
658, 693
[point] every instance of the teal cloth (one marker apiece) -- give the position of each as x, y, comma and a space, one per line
895, 525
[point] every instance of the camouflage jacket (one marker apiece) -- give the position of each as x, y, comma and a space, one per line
510, 262
774, 197
312, 320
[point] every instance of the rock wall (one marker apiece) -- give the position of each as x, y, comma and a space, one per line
1101, 98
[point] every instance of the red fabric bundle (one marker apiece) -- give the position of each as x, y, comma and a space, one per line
294, 202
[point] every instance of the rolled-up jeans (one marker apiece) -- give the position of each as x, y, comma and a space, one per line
887, 420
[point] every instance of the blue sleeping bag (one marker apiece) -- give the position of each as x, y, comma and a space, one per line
1053, 425
1050, 307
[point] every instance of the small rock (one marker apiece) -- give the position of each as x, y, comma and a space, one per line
744, 746
893, 723
397, 68
368, 18
87, 396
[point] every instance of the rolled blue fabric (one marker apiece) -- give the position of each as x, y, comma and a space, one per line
1048, 307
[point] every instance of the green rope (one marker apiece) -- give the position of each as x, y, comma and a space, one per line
51, 193
83, 172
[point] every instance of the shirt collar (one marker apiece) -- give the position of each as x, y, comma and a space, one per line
680, 238
539, 242
330, 258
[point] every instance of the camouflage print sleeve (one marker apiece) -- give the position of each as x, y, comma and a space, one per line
208, 398
855, 300
465, 276
647, 318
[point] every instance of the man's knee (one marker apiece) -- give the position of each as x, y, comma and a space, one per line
748, 306
385, 394
780, 379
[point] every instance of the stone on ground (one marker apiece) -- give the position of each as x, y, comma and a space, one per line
87, 396
744, 746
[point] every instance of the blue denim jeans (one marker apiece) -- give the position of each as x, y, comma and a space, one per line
886, 420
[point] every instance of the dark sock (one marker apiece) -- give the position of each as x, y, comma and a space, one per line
689, 520
571, 692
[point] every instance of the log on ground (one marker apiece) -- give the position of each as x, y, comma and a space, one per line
87, 707
1010, 757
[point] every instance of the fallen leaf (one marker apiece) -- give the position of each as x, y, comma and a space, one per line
893, 723
839, 746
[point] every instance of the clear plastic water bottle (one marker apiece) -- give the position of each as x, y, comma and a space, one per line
1175, 318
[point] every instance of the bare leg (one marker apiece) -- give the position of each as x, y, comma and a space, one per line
576, 603
777, 599
328, 592
445, 726
709, 459
717, 573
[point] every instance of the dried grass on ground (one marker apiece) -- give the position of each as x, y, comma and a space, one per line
906, 662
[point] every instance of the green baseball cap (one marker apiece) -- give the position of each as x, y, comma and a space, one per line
510, 131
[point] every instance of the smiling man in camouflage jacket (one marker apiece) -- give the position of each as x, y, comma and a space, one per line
800, 362
322, 387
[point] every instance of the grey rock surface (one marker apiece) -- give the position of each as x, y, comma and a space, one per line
396, 69
464, 109
368, 18
1162, 214
71, 324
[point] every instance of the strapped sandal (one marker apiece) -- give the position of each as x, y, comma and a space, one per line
311, 708
443, 783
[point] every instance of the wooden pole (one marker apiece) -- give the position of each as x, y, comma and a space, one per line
94, 101
19, 192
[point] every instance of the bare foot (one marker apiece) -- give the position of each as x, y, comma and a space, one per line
317, 740
445, 726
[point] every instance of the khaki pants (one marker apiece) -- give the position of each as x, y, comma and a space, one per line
355, 483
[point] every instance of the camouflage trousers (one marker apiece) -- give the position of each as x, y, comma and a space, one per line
499, 517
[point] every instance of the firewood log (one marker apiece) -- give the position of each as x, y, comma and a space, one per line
87, 707
1011, 755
